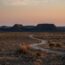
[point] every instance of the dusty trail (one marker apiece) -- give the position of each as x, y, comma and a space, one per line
35, 46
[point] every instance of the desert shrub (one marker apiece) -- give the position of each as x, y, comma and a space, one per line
51, 45
38, 54
58, 45
20, 51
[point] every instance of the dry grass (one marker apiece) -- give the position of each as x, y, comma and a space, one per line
11, 40
16, 41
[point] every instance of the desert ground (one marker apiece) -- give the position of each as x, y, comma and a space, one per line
32, 48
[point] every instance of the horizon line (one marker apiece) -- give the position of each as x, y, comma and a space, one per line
29, 24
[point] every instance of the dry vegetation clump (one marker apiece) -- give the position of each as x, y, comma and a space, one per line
37, 62
51, 45
23, 49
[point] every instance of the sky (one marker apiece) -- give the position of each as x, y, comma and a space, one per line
32, 12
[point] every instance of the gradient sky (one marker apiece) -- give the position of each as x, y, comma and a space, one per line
32, 12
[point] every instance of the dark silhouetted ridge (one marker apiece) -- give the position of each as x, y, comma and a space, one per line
46, 27
38, 28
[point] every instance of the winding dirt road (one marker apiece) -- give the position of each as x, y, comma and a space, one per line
35, 46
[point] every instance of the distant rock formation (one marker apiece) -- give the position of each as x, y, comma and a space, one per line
46, 27
17, 27
38, 28
62, 29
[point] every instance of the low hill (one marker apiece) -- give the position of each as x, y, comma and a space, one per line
38, 28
